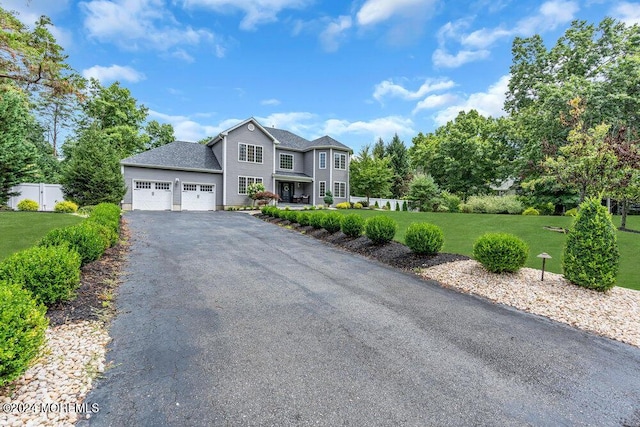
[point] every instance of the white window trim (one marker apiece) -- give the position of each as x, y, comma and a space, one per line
255, 178
320, 192
254, 153
340, 156
336, 193
280, 161
320, 156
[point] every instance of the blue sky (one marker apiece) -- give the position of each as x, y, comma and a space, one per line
355, 70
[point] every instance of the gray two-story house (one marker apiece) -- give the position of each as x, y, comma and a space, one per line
190, 176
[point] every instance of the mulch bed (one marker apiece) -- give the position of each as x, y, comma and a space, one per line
99, 280
393, 254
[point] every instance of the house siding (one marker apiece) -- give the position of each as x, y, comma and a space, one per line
298, 160
236, 168
132, 173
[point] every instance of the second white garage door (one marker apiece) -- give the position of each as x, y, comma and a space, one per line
198, 197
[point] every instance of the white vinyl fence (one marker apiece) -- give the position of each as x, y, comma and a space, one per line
381, 202
47, 195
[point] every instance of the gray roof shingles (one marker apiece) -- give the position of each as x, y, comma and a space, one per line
177, 155
295, 142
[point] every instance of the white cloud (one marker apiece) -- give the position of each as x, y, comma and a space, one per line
442, 58
391, 89
187, 129
139, 24
474, 45
435, 101
627, 12
383, 127
113, 73
331, 36
487, 103
376, 11
271, 101
301, 123
256, 11
182, 55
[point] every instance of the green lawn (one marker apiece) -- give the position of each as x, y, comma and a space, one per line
461, 230
20, 230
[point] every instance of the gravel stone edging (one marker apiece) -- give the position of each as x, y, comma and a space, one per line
73, 356
614, 314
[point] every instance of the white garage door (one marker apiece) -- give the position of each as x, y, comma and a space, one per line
152, 196
198, 197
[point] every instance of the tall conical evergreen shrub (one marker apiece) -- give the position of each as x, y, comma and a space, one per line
591, 255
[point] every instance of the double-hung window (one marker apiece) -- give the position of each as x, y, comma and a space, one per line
340, 190
339, 161
249, 153
245, 181
322, 160
322, 188
286, 161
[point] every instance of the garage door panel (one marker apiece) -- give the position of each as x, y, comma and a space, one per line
152, 196
198, 197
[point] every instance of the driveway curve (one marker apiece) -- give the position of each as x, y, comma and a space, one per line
226, 320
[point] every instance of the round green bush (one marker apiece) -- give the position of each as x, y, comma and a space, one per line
52, 274
331, 222
304, 218
591, 254
424, 238
315, 220
500, 252
352, 225
293, 216
22, 328
28, 205
84, 238
380, 229
65, 207
531, 211
106, 214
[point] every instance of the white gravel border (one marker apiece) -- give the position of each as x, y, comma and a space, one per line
52, 391
614, 314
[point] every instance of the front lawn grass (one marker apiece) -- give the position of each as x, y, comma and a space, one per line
20, 230
461, 231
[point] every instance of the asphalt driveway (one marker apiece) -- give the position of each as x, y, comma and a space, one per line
227, 320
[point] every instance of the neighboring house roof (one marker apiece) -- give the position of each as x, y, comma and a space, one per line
504, 185
179, 155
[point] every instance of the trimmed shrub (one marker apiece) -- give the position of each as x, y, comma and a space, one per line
304, 218
424, 238
84, 238
51, 274
405, 208
265, 210
343, 205
531, 211
388, 205
65, 206
571, 212
328, 198
450, 201
106, 214
293, 216
315, 220
22, 328
331, 222
500, 252
380, 229
591, 255
493, 205
352, 225
28, 205
364, 203
357, 205
376, 205
397, 206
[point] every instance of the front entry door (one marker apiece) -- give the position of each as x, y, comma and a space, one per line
285, 191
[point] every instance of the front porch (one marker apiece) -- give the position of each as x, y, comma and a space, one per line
294, 189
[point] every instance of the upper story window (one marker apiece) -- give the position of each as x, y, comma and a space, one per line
322, 160
249, 153
339, 161
286, 161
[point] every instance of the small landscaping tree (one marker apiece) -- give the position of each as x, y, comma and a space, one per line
328, 198
253, 189
423, 191
591, 255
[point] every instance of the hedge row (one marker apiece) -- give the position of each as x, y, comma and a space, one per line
37, 277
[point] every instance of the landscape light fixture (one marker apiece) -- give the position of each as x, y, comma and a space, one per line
545, 256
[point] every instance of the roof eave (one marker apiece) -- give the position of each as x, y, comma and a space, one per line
175, 168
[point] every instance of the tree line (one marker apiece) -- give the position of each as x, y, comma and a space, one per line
570, 132
42, 100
